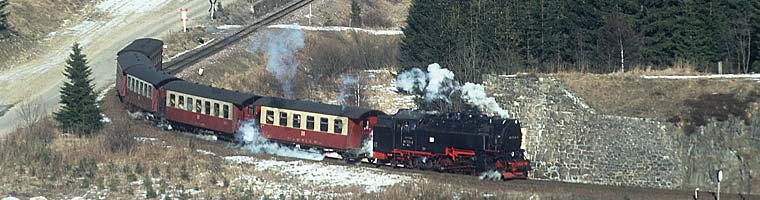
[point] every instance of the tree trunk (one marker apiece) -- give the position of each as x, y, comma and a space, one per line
622, 56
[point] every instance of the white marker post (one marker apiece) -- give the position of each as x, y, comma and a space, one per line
720, 178
184, 18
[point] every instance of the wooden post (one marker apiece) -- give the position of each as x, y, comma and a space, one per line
720, 67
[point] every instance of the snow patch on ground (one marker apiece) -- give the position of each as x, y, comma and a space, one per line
324, 175
228, 26
280, 189
102, 94
336, 28
204, 152
184, 52
104, 118
145, 139
121, 7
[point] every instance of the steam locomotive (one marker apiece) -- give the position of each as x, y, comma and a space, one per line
447, 142
450, 142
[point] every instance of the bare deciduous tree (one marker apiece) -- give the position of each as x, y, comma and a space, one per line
30, 114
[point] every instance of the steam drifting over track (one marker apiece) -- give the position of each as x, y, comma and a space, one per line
194, 56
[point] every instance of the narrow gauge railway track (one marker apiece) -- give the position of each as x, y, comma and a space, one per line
176, 65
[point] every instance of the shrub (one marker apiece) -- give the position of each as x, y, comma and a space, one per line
155, 172
131, 177
148, 184
139, 168
119, 137
85, 183
99, 183
113, 184
183, 172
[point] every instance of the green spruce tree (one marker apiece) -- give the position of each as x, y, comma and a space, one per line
4, 26
356, 13
79, 112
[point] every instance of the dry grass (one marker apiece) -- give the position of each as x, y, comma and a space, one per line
675, 100
31, 20
178, 41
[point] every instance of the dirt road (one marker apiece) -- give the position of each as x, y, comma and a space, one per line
113, 25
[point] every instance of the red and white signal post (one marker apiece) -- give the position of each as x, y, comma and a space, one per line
184, 18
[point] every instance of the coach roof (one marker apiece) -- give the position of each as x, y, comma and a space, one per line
131, 58
237, 98
315, 107
150, 74
147, 46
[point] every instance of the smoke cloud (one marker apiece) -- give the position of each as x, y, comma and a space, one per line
281, 47
348, 89
414, 80
475, 94
439, 83
253, 142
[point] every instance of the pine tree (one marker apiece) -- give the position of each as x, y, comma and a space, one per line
4, 26
428, 35
356, 13
79, 112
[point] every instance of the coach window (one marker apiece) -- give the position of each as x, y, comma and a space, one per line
207, 107
150, 91
181, 102
283, 118
250, 109
310, 122
270, 117
323, 122
171, 100
296, 121
130, 83
190, 104
216, 109
226, 111
338, 128
198, 105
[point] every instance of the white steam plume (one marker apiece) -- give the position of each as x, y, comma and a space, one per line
413, 80
439, 83
253, 141
281, 47
348, 89
475, 94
